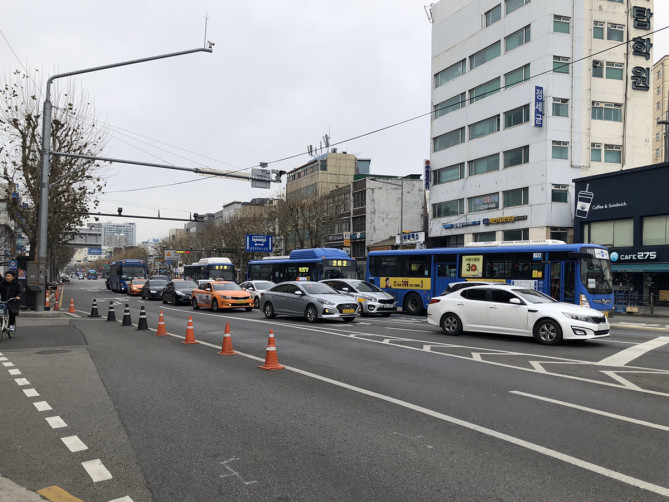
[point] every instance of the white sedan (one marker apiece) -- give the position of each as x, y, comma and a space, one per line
514, 310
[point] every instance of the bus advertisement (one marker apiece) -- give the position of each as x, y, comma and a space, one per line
122, 272
572, 273
303, 265
215, 269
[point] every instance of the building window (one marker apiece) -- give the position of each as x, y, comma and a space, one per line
450, 105
517, 38
517, 197
598, 30
493, 15
560, 193
560, 150
485, 237
450, 73
560, 107
615, 32
517, 76
359, 224
655, 231
560, 234
611, 112
560, 64
448, 174
484, 127
561, 24
324, 165
483, 202
598, 69
657, 153
613, 154
484, 55
617, 233
484, 90
595, 152
449, 139
658, 105
616, 1
517, 156
657, 137
360, 198
522, 234
614, 71
511, 5
450, 208
484, 165
517, 116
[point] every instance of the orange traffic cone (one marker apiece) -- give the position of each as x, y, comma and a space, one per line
271, 359
161, 331
71, 310
46, 304
226, 350
56, 303
190, 333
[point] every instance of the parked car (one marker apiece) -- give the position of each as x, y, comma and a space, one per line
372, 299
457, 286
178, 291
313, 300
256, 288
135, 286
218, 295
515, 310
153, 289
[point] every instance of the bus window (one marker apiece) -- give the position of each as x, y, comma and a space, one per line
447, 269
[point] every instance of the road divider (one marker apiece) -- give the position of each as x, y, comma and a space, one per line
94, 308
142, 324
126, 316
111, 313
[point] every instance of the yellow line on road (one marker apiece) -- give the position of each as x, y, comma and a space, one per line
57, 494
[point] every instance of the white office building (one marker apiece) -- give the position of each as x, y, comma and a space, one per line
527, 97
118, 234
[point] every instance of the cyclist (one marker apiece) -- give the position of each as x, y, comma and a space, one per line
11, 289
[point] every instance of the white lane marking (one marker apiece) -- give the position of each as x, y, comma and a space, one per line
625, 356
122, 499
15, 371
30, 392
3, 359
623, 381
22, 381
583, 464
8, 365
56, 422
592, 410
74, 444
42, 406
96, 470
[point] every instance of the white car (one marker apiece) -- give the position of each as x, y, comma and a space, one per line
515, 310
256, 288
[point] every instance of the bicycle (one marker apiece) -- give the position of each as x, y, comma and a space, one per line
4, 320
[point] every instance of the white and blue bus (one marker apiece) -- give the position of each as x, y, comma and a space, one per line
122, 272
215, 269
572, 273
303, 265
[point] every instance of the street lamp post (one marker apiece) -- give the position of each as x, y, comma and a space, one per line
43, 217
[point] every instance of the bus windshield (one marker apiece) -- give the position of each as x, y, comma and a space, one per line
596, 276
130, 271
340, 269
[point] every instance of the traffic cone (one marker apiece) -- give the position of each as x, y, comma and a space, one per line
56, 303
226, 349
94, 308
46, 303
190, 333
161, 331
111, 313
142, 324
271, 358
126, 316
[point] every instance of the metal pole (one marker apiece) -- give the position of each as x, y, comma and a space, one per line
43, 217
401, 213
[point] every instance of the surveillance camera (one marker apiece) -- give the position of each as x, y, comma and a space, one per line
120, 210
210, 44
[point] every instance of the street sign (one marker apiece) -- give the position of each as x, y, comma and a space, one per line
13, 265
259, 243
95, 251
170, 254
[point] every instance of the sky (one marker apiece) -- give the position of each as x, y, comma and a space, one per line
280, 77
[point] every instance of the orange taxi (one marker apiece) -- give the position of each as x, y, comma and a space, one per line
218, 295
135, 286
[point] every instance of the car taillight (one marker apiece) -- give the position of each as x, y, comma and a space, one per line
434, 300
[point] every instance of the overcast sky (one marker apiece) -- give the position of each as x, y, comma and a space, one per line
282, 75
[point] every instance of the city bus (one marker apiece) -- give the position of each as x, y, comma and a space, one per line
122, 271
303, 265
219, 269
92, 274
572, 273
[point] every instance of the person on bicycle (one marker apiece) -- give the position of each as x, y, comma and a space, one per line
10, 288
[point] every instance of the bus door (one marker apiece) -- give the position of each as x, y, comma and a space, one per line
445, 272
562, 281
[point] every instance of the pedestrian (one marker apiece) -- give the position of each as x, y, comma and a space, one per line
11, 289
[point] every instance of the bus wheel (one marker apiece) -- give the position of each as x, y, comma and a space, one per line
268, 309
413, 304
214, 305
194, 304
311, 314
547, 332
451, 324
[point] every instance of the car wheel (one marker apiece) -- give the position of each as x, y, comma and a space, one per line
451, 324
548, 332
248, 309
174, 300
256, 302
214, 305
194, 304
311, 314
413, 304
268, 309
164, 301
349, 319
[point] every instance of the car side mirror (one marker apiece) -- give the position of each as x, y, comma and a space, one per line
345, 289
298, 293
515, 301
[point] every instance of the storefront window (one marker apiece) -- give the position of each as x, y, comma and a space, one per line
618, 233
655, 230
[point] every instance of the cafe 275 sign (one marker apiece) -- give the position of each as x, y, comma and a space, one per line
641, 46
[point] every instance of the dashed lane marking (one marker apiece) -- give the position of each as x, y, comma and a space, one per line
74, 444
15, 371
42, 406
22, 381
96, 470
8, 364
30, 392
56, 422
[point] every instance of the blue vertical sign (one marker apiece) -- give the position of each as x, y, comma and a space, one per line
538, 106
259, 243
427, 175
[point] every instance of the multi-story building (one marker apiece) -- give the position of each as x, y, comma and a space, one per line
323, 174
528, 96
118, 234
660, 105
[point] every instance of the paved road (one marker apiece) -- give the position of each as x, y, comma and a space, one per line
383, 409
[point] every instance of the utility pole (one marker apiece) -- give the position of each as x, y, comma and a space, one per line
665, 123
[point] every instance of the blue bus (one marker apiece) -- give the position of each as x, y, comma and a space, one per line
122, 271
219, 269
572, 273
303, 265
92, 274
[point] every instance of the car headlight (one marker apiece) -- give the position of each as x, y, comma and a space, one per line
325, 302
578, 317
180, 293
368, 298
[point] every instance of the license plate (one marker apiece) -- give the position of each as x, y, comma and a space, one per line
348, 311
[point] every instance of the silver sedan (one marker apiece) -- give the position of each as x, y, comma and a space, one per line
313, 300
372, 299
